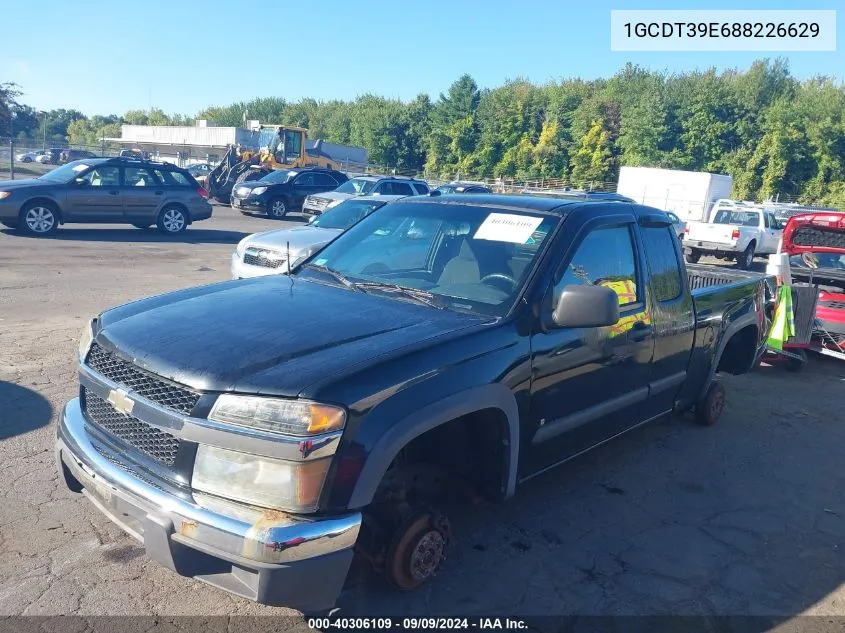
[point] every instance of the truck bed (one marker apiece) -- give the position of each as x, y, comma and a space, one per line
704, 279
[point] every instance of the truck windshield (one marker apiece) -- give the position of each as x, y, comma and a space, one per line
357, 186
742, 218
465, 258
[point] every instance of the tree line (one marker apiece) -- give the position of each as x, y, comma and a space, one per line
775, 134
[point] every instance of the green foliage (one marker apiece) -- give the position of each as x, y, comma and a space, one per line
774, 134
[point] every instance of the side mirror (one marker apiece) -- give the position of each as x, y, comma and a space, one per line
586, 306
80, 182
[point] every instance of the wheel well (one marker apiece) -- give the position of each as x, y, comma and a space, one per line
752, 243
47, 201
740, 351
465, 455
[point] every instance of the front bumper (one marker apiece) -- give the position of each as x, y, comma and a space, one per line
277, 559
240, 270
248, 204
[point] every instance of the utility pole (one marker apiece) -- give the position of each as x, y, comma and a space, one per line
11, 144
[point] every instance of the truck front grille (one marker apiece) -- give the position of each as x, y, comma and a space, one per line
318, 203
263, 257
150, 440
151, 387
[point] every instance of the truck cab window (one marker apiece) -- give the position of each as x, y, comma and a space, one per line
663, 260
606, 257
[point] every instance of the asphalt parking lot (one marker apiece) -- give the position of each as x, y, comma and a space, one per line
745, 518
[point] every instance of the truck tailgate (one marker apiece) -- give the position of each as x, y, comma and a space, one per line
716, 233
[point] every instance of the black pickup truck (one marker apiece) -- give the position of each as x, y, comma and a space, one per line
256, 434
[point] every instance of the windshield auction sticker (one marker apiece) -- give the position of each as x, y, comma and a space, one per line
506, 227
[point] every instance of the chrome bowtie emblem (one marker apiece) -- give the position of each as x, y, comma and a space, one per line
121, 401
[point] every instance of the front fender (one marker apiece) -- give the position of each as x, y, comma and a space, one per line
493, 396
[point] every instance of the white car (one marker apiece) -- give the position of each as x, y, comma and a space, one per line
269, 253
394, 186
28, 157
735, 231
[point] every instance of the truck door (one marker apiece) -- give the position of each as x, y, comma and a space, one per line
672, 315
589, 384
771, 232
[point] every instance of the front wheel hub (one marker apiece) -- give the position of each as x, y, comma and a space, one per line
427, 555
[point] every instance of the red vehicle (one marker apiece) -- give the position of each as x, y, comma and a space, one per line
815, 243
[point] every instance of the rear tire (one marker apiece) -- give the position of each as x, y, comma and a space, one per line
277, 208
746, 259
693, 256
708, 411
172, 220
39, 218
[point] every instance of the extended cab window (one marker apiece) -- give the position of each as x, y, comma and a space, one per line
663, 260
605, 257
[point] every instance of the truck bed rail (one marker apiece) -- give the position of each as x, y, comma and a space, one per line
702, 276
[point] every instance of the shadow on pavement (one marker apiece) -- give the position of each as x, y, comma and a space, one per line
190, 236
21, 410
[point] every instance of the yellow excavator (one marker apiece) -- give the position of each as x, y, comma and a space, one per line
279, 147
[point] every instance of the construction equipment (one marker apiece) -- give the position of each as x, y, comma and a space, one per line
275, 147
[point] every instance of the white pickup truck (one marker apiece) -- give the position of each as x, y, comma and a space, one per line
735, 232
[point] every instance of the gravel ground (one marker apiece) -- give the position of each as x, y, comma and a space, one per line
745, 518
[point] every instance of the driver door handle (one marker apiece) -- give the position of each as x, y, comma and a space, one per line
640, 332
113, 192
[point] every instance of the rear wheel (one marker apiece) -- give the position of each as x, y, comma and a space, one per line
746, 259
172, 220
39, 218
709, 409
693, 256
277, 208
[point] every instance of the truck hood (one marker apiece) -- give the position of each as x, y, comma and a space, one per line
6, 185
270, 335
300, 238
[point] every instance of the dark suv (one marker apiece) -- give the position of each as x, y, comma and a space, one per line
282, 191
105, 190
70, 155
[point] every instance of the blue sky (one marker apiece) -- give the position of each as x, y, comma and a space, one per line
108, 57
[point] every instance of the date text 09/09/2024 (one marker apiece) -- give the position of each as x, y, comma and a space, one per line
418, 623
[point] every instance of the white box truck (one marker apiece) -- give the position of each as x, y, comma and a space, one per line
688, 194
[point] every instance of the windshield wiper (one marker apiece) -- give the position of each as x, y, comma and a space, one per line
333, 273
420, 296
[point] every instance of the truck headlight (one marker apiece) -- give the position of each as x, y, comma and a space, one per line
241, 247
258, 191
287, 417
261, 481
86, 337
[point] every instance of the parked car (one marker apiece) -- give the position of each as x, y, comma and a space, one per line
463, 187
104, 191
271, 252
28, 157
265, 429
735, 231
364, 186
70, 155
50, 156
678, 224
283, 191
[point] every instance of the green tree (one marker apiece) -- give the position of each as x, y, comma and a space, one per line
593, 163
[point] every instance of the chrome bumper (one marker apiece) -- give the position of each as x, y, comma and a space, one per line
268, 556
